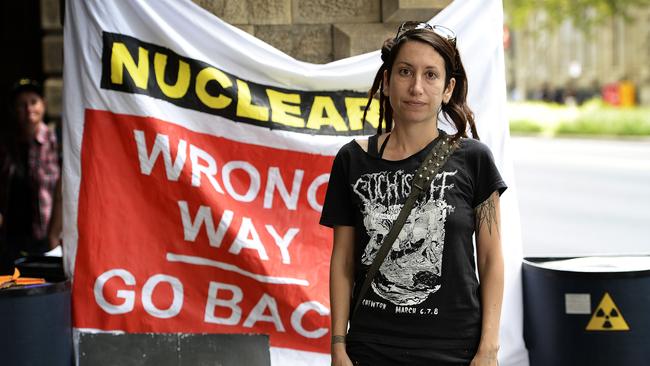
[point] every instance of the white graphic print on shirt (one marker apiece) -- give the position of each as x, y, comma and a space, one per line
413, 267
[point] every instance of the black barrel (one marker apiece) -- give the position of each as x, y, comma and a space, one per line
48, 268
587, 311
35, 322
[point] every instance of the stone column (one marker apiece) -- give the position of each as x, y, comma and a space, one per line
52, 56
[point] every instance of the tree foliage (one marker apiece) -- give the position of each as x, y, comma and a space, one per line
583, 14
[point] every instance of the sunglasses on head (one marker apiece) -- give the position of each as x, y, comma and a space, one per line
440, 30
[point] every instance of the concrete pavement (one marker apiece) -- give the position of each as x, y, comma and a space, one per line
583, 196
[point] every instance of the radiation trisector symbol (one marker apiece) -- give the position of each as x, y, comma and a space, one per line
607, 316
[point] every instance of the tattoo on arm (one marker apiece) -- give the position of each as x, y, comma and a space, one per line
486, 214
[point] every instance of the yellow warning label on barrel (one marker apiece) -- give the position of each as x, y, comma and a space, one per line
607, 316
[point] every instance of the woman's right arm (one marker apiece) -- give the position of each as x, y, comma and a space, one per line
341, 279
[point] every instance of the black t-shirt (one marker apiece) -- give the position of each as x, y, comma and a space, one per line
426, 293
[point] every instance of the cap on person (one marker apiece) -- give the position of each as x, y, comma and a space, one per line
26, 85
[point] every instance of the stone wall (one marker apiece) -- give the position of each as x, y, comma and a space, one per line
51, 17
321, 31
317, 31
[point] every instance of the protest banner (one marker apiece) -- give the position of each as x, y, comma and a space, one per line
196, 159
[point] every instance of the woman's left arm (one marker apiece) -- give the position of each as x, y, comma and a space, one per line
490, 270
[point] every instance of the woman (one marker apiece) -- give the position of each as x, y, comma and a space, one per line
425, 305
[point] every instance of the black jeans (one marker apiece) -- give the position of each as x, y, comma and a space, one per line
371, 354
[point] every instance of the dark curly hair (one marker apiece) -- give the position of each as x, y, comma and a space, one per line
455, 110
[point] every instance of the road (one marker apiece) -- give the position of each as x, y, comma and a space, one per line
583, 196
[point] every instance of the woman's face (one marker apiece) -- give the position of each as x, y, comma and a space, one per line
416, 87
30, 108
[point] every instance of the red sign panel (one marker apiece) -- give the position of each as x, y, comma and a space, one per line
181, 231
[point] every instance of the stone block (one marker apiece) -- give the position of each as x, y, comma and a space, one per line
269, 11
311, 43
53, 90
233, 12
248, 28
402, 10
249, 11
336, 11
53, 54
51, 15
356, 39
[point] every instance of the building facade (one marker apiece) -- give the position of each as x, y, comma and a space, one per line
572, 60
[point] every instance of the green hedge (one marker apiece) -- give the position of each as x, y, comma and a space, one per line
592, 118
525, 126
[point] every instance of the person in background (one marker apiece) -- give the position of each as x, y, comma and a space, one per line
29, 172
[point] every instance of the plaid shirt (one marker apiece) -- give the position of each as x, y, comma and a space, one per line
43, 161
